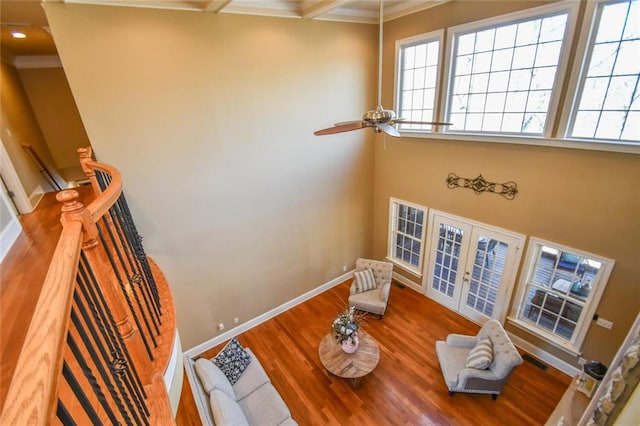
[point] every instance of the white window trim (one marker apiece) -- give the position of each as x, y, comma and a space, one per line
417, 271
578, 73
571, 7
438, 36
629, 148
582, 327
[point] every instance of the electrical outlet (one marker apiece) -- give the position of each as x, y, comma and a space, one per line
236, 320
582, 361
604, 323
344, 268
221, 326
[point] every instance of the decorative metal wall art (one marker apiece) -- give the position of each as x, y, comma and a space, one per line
479, 185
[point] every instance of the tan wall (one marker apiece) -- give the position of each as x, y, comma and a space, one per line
52, 102
210, 120
584, 199
19, 126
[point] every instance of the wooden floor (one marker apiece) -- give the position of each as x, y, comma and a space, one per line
406, 388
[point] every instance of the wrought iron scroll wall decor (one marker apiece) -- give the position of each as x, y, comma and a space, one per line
479, 185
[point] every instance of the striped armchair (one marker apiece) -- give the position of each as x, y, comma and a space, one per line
374, 300
453, 355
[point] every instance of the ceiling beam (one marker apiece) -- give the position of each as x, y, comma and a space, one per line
322, 7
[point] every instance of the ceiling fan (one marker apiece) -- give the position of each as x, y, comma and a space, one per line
382, 120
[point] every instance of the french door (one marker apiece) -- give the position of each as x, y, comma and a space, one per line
472, 266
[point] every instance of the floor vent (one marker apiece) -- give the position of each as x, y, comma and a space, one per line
399, 285
535, 362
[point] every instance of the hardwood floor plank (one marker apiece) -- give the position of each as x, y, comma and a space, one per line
406, 388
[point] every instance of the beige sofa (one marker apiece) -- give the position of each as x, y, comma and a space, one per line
252, 400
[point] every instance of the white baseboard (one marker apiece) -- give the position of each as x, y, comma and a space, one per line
406, 281
36, 196
197, 350
544, 356
173, 376
8, 236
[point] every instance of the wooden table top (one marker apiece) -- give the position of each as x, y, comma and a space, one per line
349, 366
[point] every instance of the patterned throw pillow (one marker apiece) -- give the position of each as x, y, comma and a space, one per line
481, 355
365, 280
232, 360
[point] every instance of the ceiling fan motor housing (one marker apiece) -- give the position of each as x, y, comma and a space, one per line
378, 116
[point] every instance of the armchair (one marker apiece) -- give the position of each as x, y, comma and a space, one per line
453, 353
374, 300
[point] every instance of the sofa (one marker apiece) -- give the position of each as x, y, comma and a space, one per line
460, 369
251, 400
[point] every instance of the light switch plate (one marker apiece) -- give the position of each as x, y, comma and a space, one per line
604, 323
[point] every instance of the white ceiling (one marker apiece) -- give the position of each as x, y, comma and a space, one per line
363, 11
28, 16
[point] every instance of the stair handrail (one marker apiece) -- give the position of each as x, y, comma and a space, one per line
33, 395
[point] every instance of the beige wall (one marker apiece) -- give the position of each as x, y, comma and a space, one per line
584, 199
19, 126
210, 120
52, 102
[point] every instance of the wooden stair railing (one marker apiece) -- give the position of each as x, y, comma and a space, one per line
96, 348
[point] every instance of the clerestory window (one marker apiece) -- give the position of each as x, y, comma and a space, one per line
503, 74
608, 95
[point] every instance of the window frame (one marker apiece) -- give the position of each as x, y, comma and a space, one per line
571, 8
574, 345
579, 70
394, 206
429, 37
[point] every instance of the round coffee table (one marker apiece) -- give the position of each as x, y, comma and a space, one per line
350, 366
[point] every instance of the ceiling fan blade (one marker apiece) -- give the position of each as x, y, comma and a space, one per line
390, 130
341, 128
347, 122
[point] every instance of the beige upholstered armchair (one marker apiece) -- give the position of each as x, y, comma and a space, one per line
371, 286
478, 364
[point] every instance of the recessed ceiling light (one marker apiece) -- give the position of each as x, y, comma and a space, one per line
18, 34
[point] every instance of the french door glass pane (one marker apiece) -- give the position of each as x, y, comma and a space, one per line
486, 275
447, 258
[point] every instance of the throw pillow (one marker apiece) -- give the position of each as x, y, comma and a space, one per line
225, 410
232, 360
365, 280
481, 355
213, 378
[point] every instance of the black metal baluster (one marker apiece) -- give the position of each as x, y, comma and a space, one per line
134, 244
128, 299
132, 273
63, 415
77, 389
136, 240
113, 386
106, 324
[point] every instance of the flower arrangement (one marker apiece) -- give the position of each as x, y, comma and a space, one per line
345, 326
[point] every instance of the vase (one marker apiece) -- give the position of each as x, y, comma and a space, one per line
351, 345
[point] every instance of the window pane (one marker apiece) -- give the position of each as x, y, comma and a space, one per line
418, 84
498, 68
558, 291
407, 224
608, 90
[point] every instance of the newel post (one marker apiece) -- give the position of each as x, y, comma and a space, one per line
84, 155
74, 211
